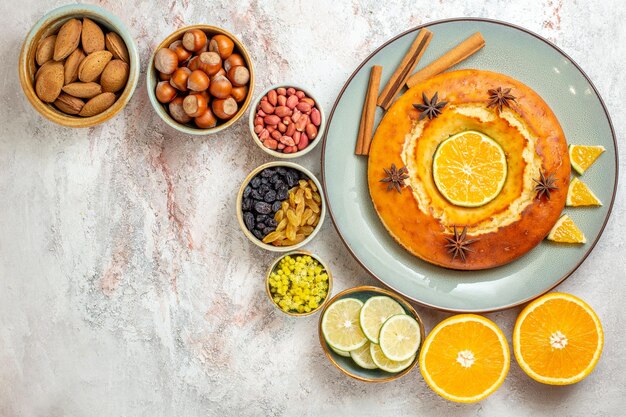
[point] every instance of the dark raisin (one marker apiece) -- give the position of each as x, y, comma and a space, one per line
255, 182
270, 196
248, 219
276, 206
246, 204
256, 195
264, 188
282, 194
261, 218
268, 172
258, 234
247, 191
274, 178
281, 170
268, 230
291, 178
271, 223
263, 208
265, 181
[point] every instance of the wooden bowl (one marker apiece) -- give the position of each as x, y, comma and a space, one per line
152, 80
347, 365
51, 23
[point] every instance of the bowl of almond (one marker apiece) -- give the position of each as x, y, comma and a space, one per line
79, 65
200, 79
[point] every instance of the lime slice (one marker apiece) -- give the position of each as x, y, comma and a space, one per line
340, 352
400, 337
340, 325
386, 364
375, 312
363, 357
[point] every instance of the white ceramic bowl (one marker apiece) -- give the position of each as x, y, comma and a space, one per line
313, 144
249, 234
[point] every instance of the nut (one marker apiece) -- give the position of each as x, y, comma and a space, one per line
49, 82
234, 60
179, 78
206, 120
220, 87
68, 104
166, 61
83, 90
224, 109
177, 112
223, 45
195, 104
97, 105
68, 39
114, 76
92, 37
239, 75
194, 40
165, 92
116, 46
239, 93
198, 81
316, 117
71, 65
93, 65
45, 50
181, 52
209, 62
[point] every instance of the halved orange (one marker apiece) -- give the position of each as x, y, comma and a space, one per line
558, 339
469, 169
465, 358
582, 157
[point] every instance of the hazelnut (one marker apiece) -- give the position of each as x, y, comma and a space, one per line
210, 62
239, 75
198, 81
239, 93
179, 78
165, 92
177, 112
181, 52
164, 77
193, 63
194, 40
224, 109
220, 72
222, 44
166, 61
206, 120
195, 104
233, 60
220, 87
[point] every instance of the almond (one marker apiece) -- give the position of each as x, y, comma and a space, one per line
41, 69
49, 82
92, 36
83, 90
116, 46
71, 65
114, 76
97, 105
68, 39
68, 104
45, 50
92, 65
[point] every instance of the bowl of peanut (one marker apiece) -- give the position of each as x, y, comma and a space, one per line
79, 65
200, 79
280, 206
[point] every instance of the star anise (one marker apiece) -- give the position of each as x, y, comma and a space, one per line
545, 185
458, 244
500, 98
431, 108
395, 177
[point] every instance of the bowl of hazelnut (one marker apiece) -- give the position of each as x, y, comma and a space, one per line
200, 79
79, 65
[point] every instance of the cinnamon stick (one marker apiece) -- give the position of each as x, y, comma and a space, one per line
455, 55
368, 114
406, 67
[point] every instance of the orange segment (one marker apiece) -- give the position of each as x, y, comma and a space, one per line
579, 194
469, 169
465, 358
582, 157
566, 231
558, 339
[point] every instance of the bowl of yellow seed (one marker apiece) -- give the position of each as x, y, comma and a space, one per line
298, 283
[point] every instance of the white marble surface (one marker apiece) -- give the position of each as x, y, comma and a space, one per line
126, 287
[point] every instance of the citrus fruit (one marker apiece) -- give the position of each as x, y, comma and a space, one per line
566, 231
558, 339
340, 325
469, 169
363, 357
582, 157
340, 352
387, 364
375, 312
400, 337
465, 358
579, 194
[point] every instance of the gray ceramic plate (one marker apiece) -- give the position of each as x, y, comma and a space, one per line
573, 98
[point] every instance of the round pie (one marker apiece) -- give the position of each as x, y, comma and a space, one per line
469, 169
